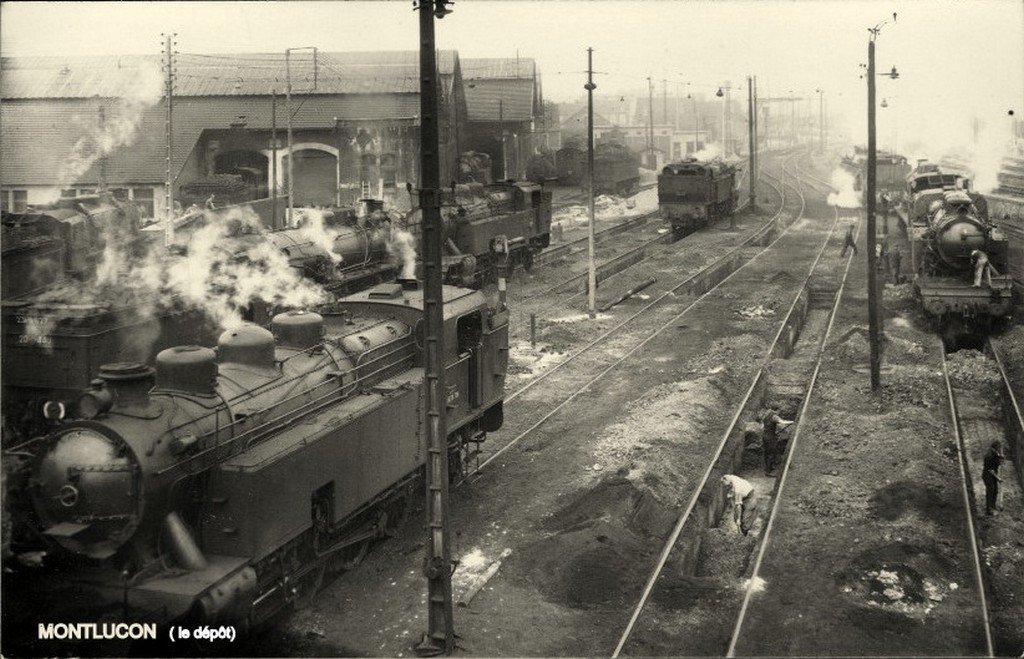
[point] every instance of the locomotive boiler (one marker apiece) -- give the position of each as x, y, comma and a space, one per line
224, 484
692, 194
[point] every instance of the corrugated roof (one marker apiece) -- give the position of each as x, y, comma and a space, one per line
508, 99
40, 135
498, 67
59, 76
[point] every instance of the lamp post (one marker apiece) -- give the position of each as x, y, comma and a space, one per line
821, 120
720, 94
874, 329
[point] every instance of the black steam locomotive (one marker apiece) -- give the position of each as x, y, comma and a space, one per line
949, 230
225, 484
692, 194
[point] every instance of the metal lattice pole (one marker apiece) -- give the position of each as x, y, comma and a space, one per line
440, 633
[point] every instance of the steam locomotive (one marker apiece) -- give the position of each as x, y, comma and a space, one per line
948, 223
54, 338
616, 168
225, 484
692, 194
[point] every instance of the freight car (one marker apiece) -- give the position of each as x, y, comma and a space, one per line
616, 168
948, 223
692, 194
225, 484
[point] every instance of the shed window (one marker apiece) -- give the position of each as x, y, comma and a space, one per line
143, 198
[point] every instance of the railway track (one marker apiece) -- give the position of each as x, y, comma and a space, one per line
690, 283
705, 502
851, 556
554, 444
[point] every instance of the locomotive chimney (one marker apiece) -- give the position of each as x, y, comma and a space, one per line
409, 284
129, 382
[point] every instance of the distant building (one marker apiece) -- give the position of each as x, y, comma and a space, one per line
355, 119
504, 108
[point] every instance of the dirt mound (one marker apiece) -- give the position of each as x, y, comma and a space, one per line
971, 367
724, 554
601, 545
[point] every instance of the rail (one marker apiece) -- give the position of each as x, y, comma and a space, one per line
965, 492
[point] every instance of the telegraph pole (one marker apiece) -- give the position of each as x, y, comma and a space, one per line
751, 121
440, 635
664, 101
821, 120
273, 159
591, 269
874, 335
168, 128
650, 120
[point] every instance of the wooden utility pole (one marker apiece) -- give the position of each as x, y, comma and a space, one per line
874, 335
169, 134
273, 159
650, 121
440, 635
664, 101
591, 268
752, 156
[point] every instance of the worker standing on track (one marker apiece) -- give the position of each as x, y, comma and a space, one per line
895, 260
850, 242
771, 425
990, 476
739, 493
982, 267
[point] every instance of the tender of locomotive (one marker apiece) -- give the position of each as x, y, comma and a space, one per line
947, 224
616, 168
224, 484
692, 194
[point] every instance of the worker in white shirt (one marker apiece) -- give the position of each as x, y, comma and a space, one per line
739, 494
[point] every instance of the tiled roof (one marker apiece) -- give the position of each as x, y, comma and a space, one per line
508, 99
59, 76
40, 134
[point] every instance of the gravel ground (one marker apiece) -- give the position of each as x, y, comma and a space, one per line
869, 553
580, 503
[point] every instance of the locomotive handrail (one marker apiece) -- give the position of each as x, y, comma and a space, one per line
252, 435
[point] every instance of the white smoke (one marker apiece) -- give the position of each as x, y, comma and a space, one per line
311, 223
402, 249
845, 196
709, 152
117, 128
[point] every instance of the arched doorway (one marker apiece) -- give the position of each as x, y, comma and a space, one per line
251, 166
315, 174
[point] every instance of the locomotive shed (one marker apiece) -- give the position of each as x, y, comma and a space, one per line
572, 570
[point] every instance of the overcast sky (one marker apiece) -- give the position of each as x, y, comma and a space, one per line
956, 59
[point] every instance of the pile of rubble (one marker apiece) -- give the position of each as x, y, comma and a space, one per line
759, 311
970, 367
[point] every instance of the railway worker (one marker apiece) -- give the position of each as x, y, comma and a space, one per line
850, 242
982, 267
739, 493
895, 260
990, 476
772, 447
209, 202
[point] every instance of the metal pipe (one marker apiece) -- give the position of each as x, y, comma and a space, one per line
628, 294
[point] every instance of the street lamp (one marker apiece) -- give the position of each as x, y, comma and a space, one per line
720, 94
874, 330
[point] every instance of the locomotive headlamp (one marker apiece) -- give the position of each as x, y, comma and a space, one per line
53, 410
